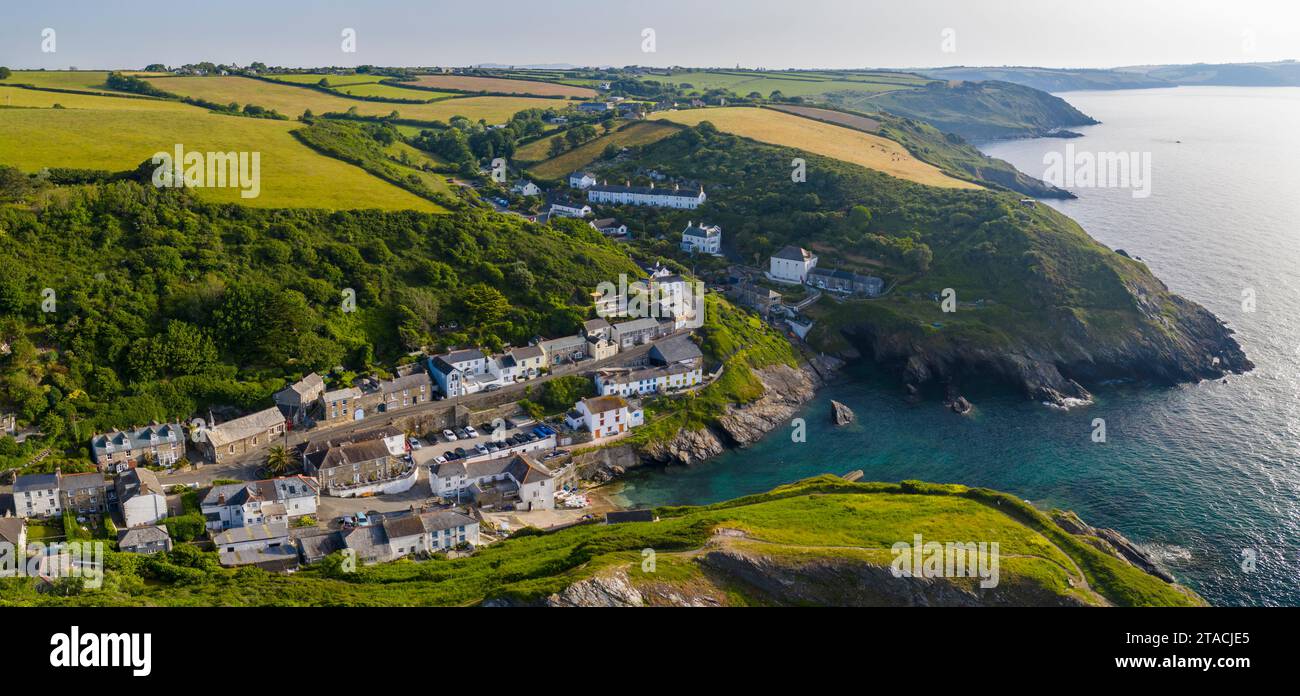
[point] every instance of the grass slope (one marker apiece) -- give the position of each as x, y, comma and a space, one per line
819, 518
292, 175
292, 101
640, 133
467, 83
842, 143
791, 84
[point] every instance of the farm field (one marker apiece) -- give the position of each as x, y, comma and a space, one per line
334, 80
372, 89
854, 121
640, 133
32, 98
502, 85
88, 80
791, 84
292, 175
853, 146
292, 101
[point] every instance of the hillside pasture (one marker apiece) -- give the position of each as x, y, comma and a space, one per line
20, 97
840, 118
497, 85
292, 175
292, 101
87, 80
791, 84
845, 144
641, 133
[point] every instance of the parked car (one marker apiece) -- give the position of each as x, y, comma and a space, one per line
481, 448
440, 459
472, 432
460, 452
460, 432
415, 443
492, 387
451, 437
362, 519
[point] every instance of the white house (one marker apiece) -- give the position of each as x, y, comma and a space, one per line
525, 187
518, 364
604, 416
647, 381
452, 371
701, 238
582, 180
429, 532
569, 209
791, 265
610, 227
37, 495
524, 478
141, 498
675, 197
260, 502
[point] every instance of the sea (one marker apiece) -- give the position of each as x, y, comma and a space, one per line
1205, 477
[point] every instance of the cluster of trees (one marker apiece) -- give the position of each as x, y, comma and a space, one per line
160, 306
573, 137
465, 143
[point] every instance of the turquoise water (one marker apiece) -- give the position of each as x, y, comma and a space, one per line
1197, 474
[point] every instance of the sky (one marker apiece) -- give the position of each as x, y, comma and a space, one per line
697, 33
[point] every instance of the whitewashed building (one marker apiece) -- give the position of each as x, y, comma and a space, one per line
37, 495
525, 187
569, 209
526, 480
675, 197
582, 180
260, 502
452, 371
702, 238
141, 498
656, 380
429, 532
605, 416
791, 265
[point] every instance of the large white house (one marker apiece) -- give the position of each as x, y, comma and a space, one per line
452, 371
260, 502
141, 498
531, 483
518, 364
569, 209
702, 238
675, 197
37, 495
655, 380
582, 180
429, 532
791, 265
604, 416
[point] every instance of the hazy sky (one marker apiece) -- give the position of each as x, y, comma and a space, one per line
752, 33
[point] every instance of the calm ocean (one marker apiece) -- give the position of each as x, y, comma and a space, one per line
1200, 475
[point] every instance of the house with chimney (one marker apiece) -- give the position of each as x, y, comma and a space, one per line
604, 416
702, 238
260, 502
655, 197
367, 463
518, 480
155, 444
83, 494
37, 495
297, 400
458, 372
341, 406
244, 435
140, 497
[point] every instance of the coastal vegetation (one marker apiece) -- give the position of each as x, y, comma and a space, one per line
831, 537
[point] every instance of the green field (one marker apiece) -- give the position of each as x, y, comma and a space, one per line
839, 142
292, 101
89, 80
34, 98
844, 529
791, 84
371, 89
583, 155
334, 80
292, 175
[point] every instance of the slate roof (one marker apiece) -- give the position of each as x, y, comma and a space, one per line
269, 490
340, 394
137, 482
703, 231
526, 352
35, 482
141, 536
637, 325
793, 253
245, 427
521, 467
464, 355
81, 482
307, 388
139, 438
369, 542
11, 528
249, 533
647, 190
674, 350
439, 520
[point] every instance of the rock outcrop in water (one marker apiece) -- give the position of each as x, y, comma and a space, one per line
841, 414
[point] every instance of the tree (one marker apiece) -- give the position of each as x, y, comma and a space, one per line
5, 73
483, 304
860, 218
277, 461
